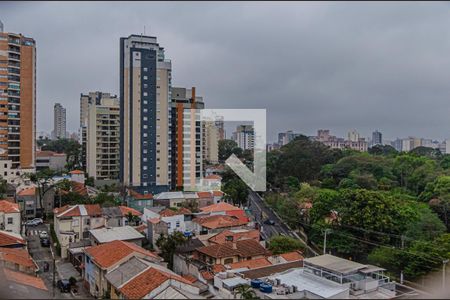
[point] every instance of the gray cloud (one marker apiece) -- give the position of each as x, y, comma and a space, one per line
311, 65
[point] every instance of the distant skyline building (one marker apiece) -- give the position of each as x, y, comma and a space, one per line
17, 99
377, 138
285, 138
353, 135
220, 128
211, 137
145, 83
324, 136
59, 122
244, 136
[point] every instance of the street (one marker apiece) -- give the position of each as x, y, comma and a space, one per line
42, 255
260, 209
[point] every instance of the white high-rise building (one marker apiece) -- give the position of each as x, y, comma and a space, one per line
244, 136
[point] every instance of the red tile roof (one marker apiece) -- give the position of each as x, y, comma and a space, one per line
17, 256
217, 193
138, 196
220, 238
141, 228
190, 278
251, 263
170, 212
219, 221
147, 281
78, 210
8, 239
27, 192
25, 279
125, 210
244, 248
292, 256
76, 172
108, 254
213, 177
204, 194
154, 220
218, 268
8, 207
207, 275
219, 207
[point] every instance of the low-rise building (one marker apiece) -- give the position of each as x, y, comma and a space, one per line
50, 160
27, 200
109, 234
140, 279
139, 201
18, 259
11, 240
234, 235
223, 208
9, 216
231, 252
101, 259
217, 223
72, 223
119, 216
19, 285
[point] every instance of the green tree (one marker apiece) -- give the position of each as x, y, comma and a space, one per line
44, 183
228, 147
68, 146
245, 292
104, 199
168, 245
383, 150
282, 244
236, 191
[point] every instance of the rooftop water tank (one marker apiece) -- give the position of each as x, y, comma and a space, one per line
265, 288
255, 283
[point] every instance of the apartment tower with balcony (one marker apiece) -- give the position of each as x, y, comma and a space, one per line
186, 138
145, 96
59, 122
17, 99
100, 134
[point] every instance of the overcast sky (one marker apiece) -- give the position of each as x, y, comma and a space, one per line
340, 66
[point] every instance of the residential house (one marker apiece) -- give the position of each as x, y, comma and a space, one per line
77, 176
139, 201
234, 235
27, 200
223, 208
11, 240
141, 279
18, 259
286, 257
183, 262
103, 258
10, 216
231, 252
118, 215
169, 199
217, 223
109, 234
213, 182
205, 199
19, 285
72, 223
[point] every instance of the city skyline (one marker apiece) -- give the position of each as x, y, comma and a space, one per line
329, 76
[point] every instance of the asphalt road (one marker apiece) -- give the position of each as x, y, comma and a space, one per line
262, 213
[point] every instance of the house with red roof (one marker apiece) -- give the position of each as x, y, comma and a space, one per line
73, 222
9, 216
139, 201
11, 240
217, 223
101, 259
18, 259
223, 208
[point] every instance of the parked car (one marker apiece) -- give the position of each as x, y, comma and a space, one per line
269, 222
45, 242
43, 235
34, 222
63, 285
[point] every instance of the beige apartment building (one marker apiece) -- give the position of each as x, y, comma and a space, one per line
102, 136
17, 99
211, 136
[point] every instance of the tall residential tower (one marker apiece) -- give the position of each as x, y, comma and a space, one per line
17, 99
59, 122
145, 81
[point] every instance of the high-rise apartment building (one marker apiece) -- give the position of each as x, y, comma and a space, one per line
377, 138
17, 99
285, 138
101, 128
324, 136
59, 122
219, 124
186, 138
353, 135
244, 136
145, 96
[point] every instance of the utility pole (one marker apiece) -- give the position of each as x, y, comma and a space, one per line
325, 240
444, 263
403, 246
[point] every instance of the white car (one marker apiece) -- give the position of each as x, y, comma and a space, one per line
43, 235
34, 222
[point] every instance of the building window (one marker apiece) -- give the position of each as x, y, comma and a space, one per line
228, 261
145, 77
177, 224
145, 94
145, 70
10, 220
